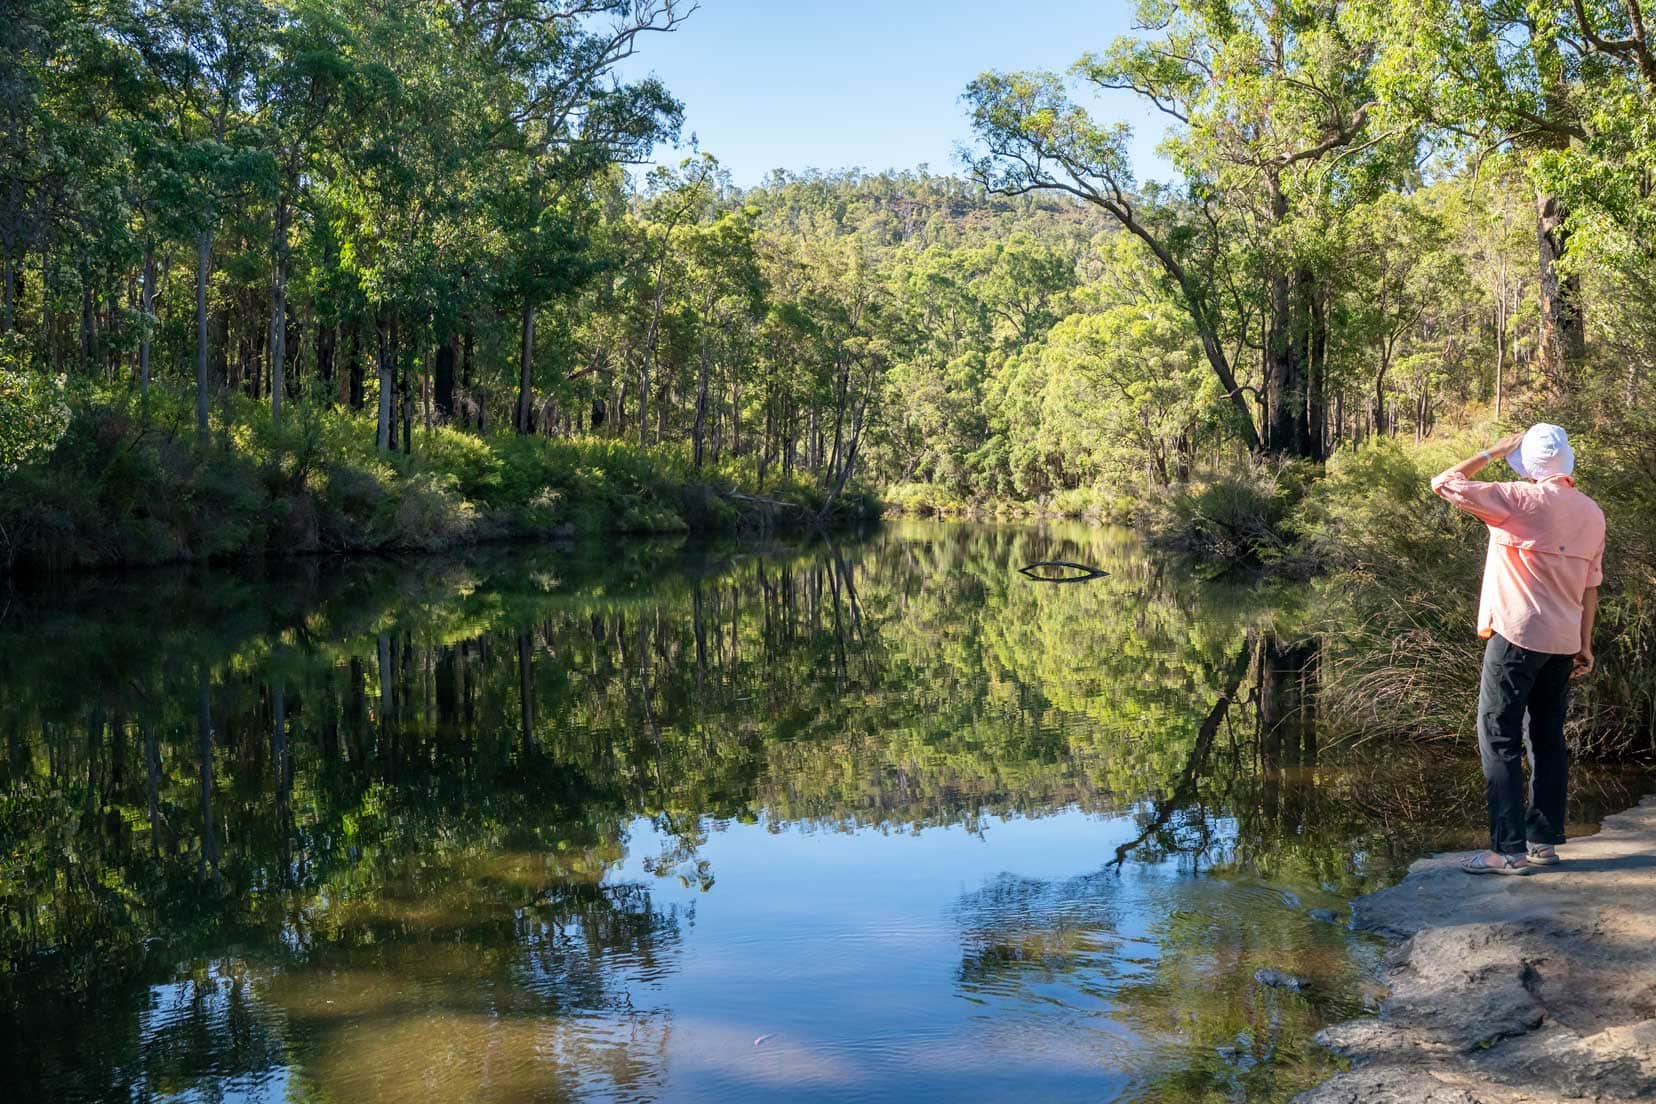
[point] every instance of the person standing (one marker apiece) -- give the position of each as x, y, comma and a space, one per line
1540, 597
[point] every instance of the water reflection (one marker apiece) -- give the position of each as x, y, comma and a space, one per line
868, 820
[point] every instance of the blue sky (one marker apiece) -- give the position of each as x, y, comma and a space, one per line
833, 84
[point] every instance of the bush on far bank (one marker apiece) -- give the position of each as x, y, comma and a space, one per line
127, 484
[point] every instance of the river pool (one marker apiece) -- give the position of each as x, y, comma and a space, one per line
875, 819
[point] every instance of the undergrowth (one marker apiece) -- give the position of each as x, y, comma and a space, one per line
128, 484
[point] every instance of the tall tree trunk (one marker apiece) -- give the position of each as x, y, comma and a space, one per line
204, 246
406, 384
1316, 403
644, 401
382, 439
1287, 347
327, 340
353, 370
147, 329
254, 361
1281, 349
88, 329
526, 364
278, 313
701, 403
1500, 350
1563, 333
735, 417
443, 397
1379, 425
473, 399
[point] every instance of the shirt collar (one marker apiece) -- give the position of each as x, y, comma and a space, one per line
1570, 479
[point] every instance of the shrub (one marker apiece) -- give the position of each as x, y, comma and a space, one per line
1236, 517
34, 408
1375, 509
472, 462
923, 500
1106, 502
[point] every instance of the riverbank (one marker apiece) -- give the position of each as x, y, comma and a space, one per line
129, 486
1535, 989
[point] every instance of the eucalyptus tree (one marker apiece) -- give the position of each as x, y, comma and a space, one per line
564, 121
60, 165
1399, 269
204, 59
935, 392
1034, 136
860, 334
1567, 85
1264, 98
726, 292
33, 44
675, 202
391, 185
299, 94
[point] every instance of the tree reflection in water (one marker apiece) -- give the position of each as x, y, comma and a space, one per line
370, 831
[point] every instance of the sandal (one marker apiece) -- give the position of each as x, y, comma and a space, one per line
1542, 854
1509, 864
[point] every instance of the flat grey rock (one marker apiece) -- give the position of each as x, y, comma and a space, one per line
1535, 989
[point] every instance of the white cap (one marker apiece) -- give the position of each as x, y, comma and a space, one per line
1546, 451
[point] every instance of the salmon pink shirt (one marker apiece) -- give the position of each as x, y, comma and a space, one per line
1546, 547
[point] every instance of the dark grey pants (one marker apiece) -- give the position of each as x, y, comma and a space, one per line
1523, 694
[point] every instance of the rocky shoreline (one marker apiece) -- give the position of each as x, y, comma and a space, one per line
1537, 989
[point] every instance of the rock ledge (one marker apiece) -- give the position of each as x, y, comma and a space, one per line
1535, 989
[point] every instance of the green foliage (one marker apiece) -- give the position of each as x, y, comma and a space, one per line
1375, 511
1236, 516
34, 412
127, 484
923, 500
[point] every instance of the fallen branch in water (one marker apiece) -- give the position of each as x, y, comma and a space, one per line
1089, 572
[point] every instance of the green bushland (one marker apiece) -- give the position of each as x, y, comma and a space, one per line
1104, 503
127, 484
1234, 516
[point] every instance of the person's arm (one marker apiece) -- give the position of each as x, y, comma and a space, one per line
1583, 664
1485, 501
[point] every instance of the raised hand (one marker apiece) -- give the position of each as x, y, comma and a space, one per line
1507, 445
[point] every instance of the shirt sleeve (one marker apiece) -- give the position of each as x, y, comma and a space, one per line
1595, 567
1485, 501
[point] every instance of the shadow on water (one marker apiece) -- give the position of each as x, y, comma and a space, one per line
872, 819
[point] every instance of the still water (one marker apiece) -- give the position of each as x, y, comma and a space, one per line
872, 820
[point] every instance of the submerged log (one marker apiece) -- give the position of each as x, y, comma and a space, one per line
1088, 572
